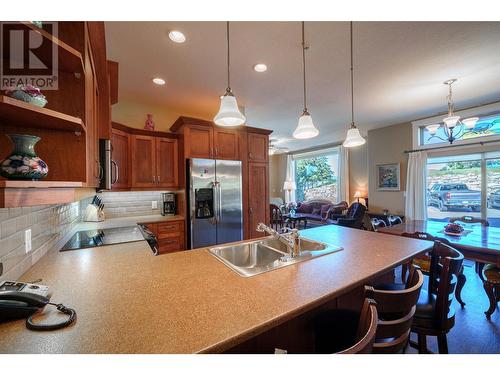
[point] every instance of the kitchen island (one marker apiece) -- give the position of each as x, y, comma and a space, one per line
129, 301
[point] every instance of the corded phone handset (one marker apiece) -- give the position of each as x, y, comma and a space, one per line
22, 300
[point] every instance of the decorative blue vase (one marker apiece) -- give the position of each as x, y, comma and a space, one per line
23, 163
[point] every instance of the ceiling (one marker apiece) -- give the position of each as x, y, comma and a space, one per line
399, 68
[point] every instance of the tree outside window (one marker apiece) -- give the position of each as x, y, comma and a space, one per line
315, 178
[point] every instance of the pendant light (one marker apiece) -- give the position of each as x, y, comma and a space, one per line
305, 129
229, 114
353, 138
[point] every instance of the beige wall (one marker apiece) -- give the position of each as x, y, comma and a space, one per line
358, 171
133, 114
387, 145
277, 175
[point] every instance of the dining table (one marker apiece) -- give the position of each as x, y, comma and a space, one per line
477, 242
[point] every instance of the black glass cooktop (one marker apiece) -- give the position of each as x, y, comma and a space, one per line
102, 237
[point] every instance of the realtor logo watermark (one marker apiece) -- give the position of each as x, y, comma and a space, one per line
27, 57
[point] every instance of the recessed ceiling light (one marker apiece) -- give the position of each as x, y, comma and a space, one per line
159, 81
176, 36
260, 68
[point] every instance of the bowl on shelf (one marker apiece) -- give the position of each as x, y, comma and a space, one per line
28, 94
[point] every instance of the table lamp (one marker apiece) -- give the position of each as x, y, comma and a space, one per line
288, 186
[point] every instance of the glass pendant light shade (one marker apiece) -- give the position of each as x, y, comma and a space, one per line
432, 129
353, 138
229, 113
470, 122
451, 121
305, 129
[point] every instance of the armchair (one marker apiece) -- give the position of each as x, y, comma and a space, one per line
353, 218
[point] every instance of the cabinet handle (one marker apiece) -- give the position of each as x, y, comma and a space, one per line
157, 179
216, 151
154, 179
250, 155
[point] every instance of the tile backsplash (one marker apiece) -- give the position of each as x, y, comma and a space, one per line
48, 225
131, 203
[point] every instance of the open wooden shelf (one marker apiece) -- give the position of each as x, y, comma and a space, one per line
69, 59
35, 193
17, 112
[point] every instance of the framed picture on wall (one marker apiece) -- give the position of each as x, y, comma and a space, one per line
388, 177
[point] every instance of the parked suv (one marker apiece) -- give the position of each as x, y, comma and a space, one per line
454, 196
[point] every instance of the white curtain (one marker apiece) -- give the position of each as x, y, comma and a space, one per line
343, 183
416, 205
290, 176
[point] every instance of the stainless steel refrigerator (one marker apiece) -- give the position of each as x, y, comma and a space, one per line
215, 202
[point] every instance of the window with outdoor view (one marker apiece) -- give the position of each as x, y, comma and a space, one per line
456, 187
316, 175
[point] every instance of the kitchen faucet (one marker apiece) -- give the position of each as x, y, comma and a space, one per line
290, 239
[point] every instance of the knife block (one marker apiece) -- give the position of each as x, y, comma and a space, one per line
93, 213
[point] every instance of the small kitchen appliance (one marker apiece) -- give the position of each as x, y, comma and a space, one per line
169, 205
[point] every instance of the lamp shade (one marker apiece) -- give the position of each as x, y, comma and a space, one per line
229, 113
357, 194
432, 129
451, 121
353, 138
289, 185
305, 129
470, 122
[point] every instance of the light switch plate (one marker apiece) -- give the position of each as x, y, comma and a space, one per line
154, 205
27, 240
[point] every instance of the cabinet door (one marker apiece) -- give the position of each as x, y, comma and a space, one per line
226, 144
258, 147
120, 155
258, 197
143, 161
198, 142
167, 165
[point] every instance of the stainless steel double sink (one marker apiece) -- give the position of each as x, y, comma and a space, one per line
255, 257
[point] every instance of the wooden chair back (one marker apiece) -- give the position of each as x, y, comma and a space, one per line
277, 221
446, 264
367, 328
395, 309
394, 220
377, 223
470, 219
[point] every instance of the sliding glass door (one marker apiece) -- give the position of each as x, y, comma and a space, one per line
464, 185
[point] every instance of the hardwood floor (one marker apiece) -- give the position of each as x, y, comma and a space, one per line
473, 333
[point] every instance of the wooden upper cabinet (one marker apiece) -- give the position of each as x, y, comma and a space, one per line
120, 173
143, 161
258, 197
198, 142
258, 147
226, 144
167, 162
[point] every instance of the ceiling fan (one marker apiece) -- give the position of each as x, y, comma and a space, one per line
273, 149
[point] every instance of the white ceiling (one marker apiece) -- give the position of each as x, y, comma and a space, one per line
399, 70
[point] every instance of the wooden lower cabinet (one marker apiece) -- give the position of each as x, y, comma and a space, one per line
258, 197
170, 235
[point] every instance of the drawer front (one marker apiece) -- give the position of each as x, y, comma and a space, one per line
170, 229
170, 245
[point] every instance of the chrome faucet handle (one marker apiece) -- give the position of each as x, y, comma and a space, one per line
261, 227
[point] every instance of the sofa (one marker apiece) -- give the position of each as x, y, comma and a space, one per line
353, 218
320, 210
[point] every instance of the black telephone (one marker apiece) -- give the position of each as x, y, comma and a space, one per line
23, 300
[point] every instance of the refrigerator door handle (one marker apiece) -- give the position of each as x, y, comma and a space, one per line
219, 205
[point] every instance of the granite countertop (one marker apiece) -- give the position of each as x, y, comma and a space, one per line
131, 302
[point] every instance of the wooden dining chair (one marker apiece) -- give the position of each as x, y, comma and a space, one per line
424, 262
394, 220
276, 217
434, 315
473, 220
491, 284
377, 223
343, 331
395, 309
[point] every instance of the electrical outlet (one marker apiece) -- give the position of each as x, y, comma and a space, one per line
154, 205
27, 240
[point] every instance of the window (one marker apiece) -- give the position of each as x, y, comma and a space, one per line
486, 126
316, 175
464, 185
